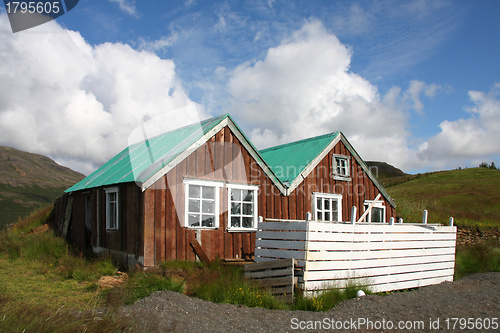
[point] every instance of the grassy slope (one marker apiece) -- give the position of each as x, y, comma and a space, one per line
471, 196
28, 182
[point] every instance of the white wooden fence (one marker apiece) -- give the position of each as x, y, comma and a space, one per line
384, 256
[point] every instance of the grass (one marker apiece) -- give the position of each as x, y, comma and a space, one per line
471, 196
477, 258
329, 298
42, 283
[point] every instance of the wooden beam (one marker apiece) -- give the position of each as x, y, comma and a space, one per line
199, 251
369, 208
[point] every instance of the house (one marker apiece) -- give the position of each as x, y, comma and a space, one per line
199, 190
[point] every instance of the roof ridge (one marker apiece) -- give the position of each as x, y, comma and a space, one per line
201, 122
332, 134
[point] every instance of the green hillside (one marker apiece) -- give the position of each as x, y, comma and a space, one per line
29, 181
471, 196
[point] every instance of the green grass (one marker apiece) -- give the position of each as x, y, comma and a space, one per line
329, 298
477, 258
42, 283
471, 196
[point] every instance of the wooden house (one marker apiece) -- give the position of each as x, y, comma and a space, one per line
198, 191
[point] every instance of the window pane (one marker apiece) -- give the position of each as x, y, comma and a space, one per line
247, 222
327, 216
235, 195
194, 206
319, 216
235, 222
208, 192
327, 204
319, 203
247, 209
208, 207
194, 191
377, 214
235, 208
334, 205
248, 196
194, 220
207, 221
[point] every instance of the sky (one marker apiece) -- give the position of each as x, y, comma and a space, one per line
412, 83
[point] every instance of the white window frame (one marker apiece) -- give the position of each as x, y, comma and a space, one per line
112, 225
331, 196
255, 215
206, 183
335, 164
378, 204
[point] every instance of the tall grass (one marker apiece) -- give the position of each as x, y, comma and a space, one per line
330, 297
477, 258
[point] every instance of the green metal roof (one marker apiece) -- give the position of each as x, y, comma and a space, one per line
289, 160
138, 162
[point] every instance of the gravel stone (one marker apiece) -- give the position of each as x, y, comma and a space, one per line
474, 296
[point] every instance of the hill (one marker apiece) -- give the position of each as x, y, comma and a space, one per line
470, 195
29, 181
387, 174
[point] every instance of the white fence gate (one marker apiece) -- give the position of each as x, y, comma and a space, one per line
385, 257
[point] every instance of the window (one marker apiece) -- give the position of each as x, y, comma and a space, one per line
377, 213
341, 167
242, 200
112, 208
202, 204
327, 207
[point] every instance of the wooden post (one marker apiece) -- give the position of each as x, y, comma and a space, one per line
391, 221
353, 214
308, 216
426, 215
261, 219
400, 220
451, 221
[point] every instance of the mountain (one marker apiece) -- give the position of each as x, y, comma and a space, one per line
387, 174
30, 181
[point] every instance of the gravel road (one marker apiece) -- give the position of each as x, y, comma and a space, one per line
476, 296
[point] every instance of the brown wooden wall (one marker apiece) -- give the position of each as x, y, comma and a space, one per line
128, 237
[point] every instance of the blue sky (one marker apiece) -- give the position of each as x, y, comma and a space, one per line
412, 83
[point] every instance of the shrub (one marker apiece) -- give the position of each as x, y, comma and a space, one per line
477, 258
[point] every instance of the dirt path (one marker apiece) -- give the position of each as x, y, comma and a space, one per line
476, 296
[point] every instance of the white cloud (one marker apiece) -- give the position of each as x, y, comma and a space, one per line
128, 6
303, 88
470, 140
77, 103
416, 89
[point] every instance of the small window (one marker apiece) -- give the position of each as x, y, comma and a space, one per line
341, 167
112, 208
202, 204
377, 213
243, 207
327, 207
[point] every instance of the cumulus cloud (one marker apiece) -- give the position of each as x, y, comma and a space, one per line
77, 103
304, 87
468, 140
128, 6
415, 91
